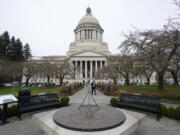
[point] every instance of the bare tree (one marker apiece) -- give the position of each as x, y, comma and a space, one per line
10, 71
174, 67
110, 71
145, 70
29, 70
63, 69
15, 70
156, 47
47, 68
126, 67
177, 3
3, 77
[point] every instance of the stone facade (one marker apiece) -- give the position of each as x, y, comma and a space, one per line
87, 54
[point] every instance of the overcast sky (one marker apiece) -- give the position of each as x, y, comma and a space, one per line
47, 25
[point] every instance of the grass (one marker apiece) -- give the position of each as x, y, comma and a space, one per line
150, 87
33, 89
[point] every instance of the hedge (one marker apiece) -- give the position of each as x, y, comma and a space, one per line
65, 100
104, 88
69, 90
114, 102
11, 111
169, 97
170, 112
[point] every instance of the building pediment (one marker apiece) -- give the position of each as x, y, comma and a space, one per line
88, 54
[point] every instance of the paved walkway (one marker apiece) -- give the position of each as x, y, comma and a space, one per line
149, 125
78, 97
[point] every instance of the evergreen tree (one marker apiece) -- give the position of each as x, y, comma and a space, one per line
4, 44
18, 51
27, 52
11, 54
12, 49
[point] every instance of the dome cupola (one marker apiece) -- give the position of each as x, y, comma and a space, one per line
88, 28
88, 18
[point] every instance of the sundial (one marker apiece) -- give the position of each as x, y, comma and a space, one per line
90, 117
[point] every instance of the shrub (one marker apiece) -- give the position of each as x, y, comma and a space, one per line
114, 102
178, 113
169, 97
65, 101
116, 93
171, 112
164, 110
11, 111
107, 89
113, 88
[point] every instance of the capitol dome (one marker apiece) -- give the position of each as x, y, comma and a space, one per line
88, 18
88, 28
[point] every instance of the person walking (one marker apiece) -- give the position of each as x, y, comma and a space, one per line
93, 87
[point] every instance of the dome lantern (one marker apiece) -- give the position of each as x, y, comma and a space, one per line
88, 11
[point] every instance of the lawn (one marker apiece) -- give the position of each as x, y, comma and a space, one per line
33, 89
150, 87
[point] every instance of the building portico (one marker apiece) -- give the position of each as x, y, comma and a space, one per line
86, 66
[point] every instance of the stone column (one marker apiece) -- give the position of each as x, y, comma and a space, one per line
101, 36
76, 69
81, 72
86, 34
100, 64
105, 63
73, 67
85, 69
75, 36
91, 69
83, 34
90, 34
96, 66
93, 34
96, 34
80, 35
